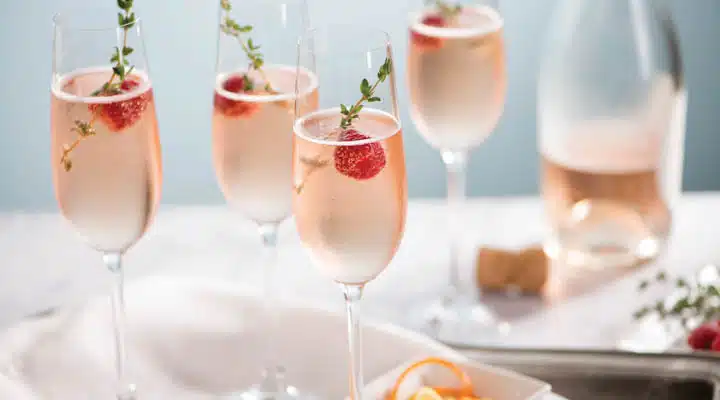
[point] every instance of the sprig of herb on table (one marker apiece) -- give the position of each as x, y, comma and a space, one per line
350, 113
121, 70
695, 301
230, 27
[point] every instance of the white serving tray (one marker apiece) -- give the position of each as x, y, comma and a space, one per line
191, 339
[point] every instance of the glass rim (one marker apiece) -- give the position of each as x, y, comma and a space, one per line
298, 131
315, 31
269, 3
69, 20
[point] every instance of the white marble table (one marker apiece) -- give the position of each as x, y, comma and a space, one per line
43, 264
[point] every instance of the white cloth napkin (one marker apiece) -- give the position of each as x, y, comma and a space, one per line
190, 338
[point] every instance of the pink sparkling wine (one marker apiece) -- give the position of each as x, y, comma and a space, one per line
113, 188
252, 141
350, 192
456, 76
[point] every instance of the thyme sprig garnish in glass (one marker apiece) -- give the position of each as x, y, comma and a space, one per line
695, 302
121, 70
447, 11
230, 27
368, 95
350, 113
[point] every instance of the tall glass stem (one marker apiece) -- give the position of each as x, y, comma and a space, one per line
456, 165
113, 261
353, 293
273, 374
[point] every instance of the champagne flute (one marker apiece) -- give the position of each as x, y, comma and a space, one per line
254, 111
456, 77
105, 146
350, 194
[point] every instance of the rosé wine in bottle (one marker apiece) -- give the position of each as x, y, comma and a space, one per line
113, 189
350, 192
252, 139
603, 188
456, 75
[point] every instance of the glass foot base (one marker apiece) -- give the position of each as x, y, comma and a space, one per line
258, 393
462, 319
273, 387
128, 394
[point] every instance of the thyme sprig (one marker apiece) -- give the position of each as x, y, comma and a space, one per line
121, 70
252, 50
350, 113
447, 10
695, 301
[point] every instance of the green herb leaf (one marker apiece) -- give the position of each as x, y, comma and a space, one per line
126, 19
680, 305
367, 92
129, 21
448, 11
384, 70
714, 291
232, 28
119, 70
125, 4
249, 85
641, 313
693, 301
365, 88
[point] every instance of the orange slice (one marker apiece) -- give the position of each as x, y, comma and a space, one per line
465, 389
427, 393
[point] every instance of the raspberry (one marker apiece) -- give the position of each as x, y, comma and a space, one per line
359, 162
234, 108
120, 115
716, 344
704, 336
427, 42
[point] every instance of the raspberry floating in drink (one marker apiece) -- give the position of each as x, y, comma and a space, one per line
236, 108
359, 162
119, 115
427, 42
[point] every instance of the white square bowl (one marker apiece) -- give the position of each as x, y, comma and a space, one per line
491, 382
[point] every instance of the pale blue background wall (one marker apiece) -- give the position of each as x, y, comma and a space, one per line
181, 36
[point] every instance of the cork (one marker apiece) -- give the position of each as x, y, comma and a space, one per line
526, 270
